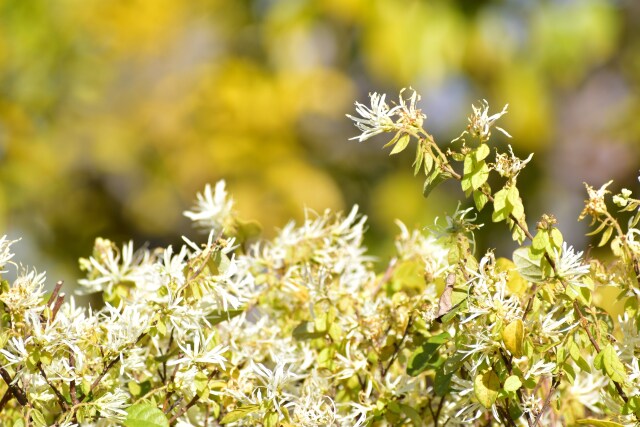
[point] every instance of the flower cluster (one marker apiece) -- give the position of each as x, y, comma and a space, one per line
308, 329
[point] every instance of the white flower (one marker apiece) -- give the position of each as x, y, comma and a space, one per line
553, 329
26, 293
213, 210
200, 352
313, 408
480, 122
508, 165
634, 376
122, 326
273, 384
359, 415
5, 251
410, 116
540, 368
569, 265
15, 351
112, 404
374, 120
108, 266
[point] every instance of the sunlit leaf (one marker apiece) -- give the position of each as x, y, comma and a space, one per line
486, 387
145, 415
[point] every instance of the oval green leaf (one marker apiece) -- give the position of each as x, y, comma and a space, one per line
486, 387
512, 337
512, 383
145, 415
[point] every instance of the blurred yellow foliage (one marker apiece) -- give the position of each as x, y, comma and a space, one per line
114, 113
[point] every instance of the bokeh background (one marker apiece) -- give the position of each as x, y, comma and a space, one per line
113, 113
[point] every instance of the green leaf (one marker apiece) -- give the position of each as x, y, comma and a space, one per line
222, 316
598, 423
306, 331
442, 381
402, 143
583, 364
320, 322
597, 361
556, 238
239, 413
468, 164
271, 419
480, 176
417, 163
482, 152
428, 162
527, 267
540, 241
612, 364
421, 358
441, 338
38, 418
501, 209
512, 336
605, 236
480, 199
412, 414
246, 230
486, 387
512, 383
432, 182
145, 415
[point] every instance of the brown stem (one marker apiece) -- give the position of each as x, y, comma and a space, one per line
14, 388
547, 400
72, 384
509, 365
192, 402
56, 306
398, 345
61, 400
5, 399
106, 369
54, 294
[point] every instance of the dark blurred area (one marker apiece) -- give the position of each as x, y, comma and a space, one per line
113, 114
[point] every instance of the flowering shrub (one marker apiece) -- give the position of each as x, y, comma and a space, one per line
303, 330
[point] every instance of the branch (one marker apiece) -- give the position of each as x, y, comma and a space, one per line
61, 400
547, 400
398, 345
192, 402
14, 388
72, 384
107, 368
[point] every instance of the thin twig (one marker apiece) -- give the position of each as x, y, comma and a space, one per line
547, 400
72, 384
54, 294
14, 388
192, 402
173, 405
61, 400
398, 345
57, 306
106, 369
508, 363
